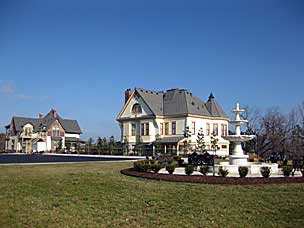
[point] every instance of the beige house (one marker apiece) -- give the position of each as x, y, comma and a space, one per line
46, 133
149, 115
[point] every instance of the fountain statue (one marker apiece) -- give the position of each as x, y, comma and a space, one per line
238, 158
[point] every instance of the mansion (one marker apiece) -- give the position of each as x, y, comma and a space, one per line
44, 134
164, 116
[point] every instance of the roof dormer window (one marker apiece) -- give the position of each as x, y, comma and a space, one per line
136, 109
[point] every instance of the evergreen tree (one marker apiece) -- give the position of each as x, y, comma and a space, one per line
111, 144
104, 145
60, 145
201, 146
126, 145
90, 143
99, 145
157, 144
214, 147
187, 141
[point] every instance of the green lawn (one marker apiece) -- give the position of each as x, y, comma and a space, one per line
97, 195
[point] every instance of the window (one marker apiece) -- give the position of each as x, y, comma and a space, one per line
193, 128
142, 129
133, 129
173, 128
224, 146
215, 129
224, 129
56, 131
136, 109
162, 129
207, 129
28, 131
147, 129
166, 128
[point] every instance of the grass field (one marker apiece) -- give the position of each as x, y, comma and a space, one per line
97, 195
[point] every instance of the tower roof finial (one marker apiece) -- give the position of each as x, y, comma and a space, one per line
211, 96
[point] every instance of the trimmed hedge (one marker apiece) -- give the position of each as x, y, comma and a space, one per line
189, 169
156, 167
287, 169
170, 168
223, 172
243, 171
265, 171
204, 169
146, 166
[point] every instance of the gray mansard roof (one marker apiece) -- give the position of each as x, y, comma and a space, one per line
70, 126
179, 101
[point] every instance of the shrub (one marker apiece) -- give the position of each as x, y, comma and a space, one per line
243, 171
139, 166
178, 159
142, 166
153, 161
286, 169
285, 162
265, 171
189, 169
204, 170
156, 167
165, 159
170, 168
223, 172
147, 167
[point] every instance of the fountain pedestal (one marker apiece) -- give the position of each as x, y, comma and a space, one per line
238, 157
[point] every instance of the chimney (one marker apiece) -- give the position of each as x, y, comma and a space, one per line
40, 116
54, 113
128, 93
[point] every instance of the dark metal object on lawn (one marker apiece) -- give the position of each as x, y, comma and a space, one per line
200, 159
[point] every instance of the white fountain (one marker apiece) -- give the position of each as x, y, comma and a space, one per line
238, 158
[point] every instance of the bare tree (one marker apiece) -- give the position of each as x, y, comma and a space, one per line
272, 135
252, 127
277, 133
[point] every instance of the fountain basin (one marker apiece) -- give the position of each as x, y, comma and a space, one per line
238, 138
238, 122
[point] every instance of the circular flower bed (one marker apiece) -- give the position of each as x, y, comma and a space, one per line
212, 179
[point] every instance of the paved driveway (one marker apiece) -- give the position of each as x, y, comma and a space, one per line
29, 158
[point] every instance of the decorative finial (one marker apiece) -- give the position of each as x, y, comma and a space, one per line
237, 105
211, 96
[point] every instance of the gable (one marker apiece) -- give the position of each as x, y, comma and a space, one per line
136, 99
55, 124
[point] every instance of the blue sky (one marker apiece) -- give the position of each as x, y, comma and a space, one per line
79, 56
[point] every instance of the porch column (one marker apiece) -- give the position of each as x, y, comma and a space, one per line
165, 149
153, 150
177, 149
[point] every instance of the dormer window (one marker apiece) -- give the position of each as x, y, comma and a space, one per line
136, 109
